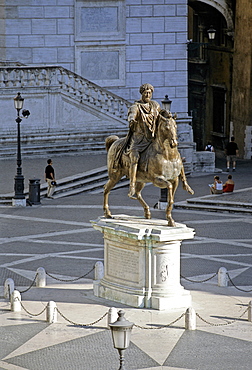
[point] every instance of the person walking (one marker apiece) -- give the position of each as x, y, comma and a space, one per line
50, 179
232, 153
209, 147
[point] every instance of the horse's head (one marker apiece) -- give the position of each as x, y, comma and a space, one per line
167, 129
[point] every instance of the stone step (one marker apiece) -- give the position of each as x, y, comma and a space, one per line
91, 181
52, 149
57, 144
90, 188
220, 202
64, 136
214, 206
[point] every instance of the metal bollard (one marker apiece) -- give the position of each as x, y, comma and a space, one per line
222, 277
99, 272
51, 312
190, 319
41, 277
16, 301
112, 316
8, 288
250, 311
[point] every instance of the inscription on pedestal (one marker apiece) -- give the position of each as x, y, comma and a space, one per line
123, 264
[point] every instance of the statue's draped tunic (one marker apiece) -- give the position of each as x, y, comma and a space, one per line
143, 131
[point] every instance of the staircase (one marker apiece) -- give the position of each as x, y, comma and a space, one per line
218, 203
58, 144
68, 112
91, 181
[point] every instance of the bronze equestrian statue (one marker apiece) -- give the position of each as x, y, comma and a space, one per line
149, 153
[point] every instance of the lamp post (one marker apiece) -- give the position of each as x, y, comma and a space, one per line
19, 198
121, 332
162, 203
211, 33
166, 103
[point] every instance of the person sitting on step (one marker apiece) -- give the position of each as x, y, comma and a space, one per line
228, 187
217, 186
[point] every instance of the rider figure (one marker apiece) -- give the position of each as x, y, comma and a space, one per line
142, 116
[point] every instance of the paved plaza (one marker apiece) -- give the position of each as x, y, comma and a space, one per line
57, 235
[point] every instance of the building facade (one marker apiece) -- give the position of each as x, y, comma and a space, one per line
210, 71
121, 44
117, 44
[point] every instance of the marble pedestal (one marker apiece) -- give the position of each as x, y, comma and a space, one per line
142, 262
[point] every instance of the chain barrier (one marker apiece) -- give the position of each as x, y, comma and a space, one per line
83, 325
242, 290
199, 281
53, 277
162, 326
26, 290
137, 326
223, 324
29, 313
69, 280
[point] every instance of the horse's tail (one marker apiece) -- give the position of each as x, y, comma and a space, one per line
110, 140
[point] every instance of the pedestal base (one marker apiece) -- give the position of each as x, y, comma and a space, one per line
18, 202
142, 262
114, 292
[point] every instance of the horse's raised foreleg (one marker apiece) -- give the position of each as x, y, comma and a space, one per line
172, 186
138, 188
184, 181
107, 187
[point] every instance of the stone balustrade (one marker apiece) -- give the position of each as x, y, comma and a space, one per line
56, 77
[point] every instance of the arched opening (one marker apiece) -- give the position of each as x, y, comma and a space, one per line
209, 74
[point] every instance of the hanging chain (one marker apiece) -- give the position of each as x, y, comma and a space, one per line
223, 324
76, 324
26, 290
69, 280
242, 290
29, 313
199, 281
163, 326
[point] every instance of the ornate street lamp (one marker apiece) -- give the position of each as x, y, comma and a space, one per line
19, 198
166, 103
211, 33
121, 332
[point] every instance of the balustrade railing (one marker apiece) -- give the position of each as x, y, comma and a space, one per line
53, 77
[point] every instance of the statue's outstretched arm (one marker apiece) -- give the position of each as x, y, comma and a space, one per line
132, 113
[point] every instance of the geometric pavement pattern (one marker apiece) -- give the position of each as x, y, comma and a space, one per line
88, 352
202, 351
194, 350
66, 241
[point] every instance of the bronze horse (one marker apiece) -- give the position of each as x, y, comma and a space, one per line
160, 164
